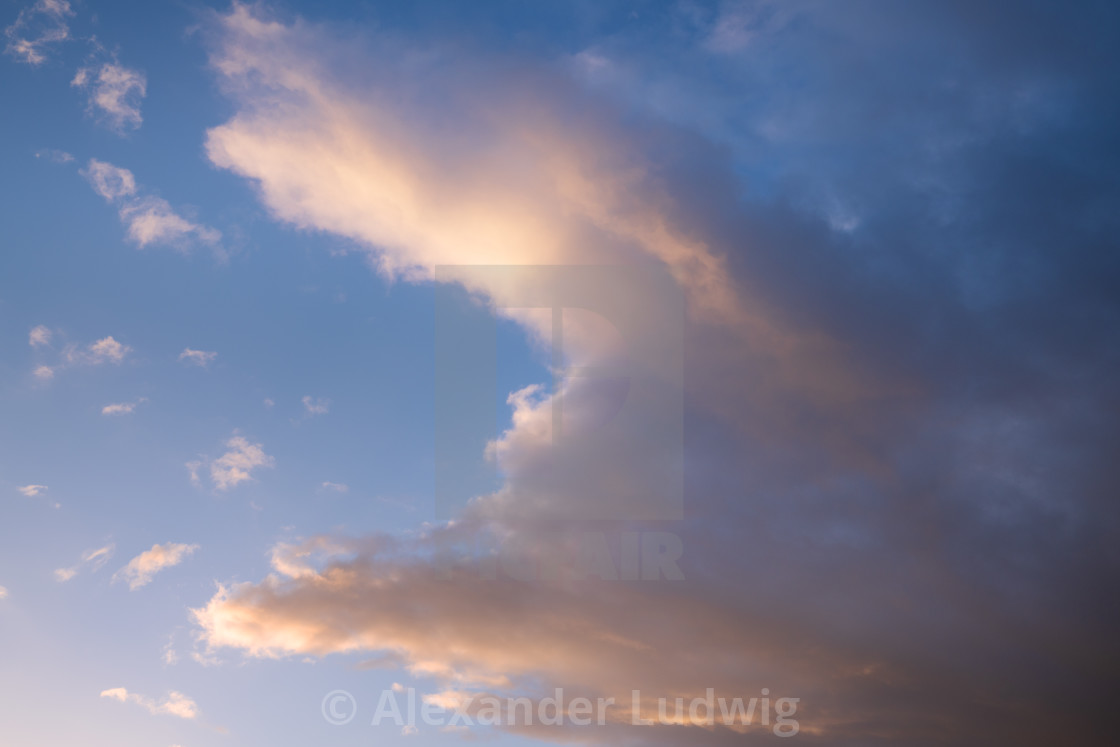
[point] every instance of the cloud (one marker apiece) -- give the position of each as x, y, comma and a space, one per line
199, 358
143, 567
897, 392
105, 350
37, 28
97, 353
316, 406
109, 181
149, 219
40, 337
95, 559
174, 704
115, 93
337, 487
233, 467
3, 593
32, 490
122, 408
54, 155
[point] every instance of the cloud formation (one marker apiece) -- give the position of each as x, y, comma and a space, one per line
32, 490
115, 93
40, 337
143, 567
316, 406
235, 466
200, 358
886, 357
94, 559
36, 29
149, 219
174, 704
122, 408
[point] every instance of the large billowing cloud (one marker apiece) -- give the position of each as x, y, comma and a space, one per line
891, 478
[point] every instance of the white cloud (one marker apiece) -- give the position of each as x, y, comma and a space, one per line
109, 181
316, 406
105, 350
3, 593
32, 490
36, 28
95, 559
115, 93
337, 487
151, 220
147, 564
235, 466
54, 155
39, 337
175, 704
147, 218
122, 408
200, 358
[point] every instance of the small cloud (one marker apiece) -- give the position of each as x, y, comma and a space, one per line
3, 593
318, 406
32, 490
44, 373
151, 220
175, 704
36, 28
122, 408
337, 487
95, 559
109, 181
268, 403
39, 337
54, 155
105, 350
148, 219
143, 567
201, 358
235, 466
115, 93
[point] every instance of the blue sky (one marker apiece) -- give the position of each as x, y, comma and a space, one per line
885, 411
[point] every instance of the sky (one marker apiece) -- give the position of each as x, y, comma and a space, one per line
660, 354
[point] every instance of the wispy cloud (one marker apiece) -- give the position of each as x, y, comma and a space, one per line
115, 93
175, 704
36, 28
337, 487
316, 405
148, 219
105, 350
122, 408
32, 490
143, 567
40, 337
3, 593
233, 467
94, 559
201, 358
54, 155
